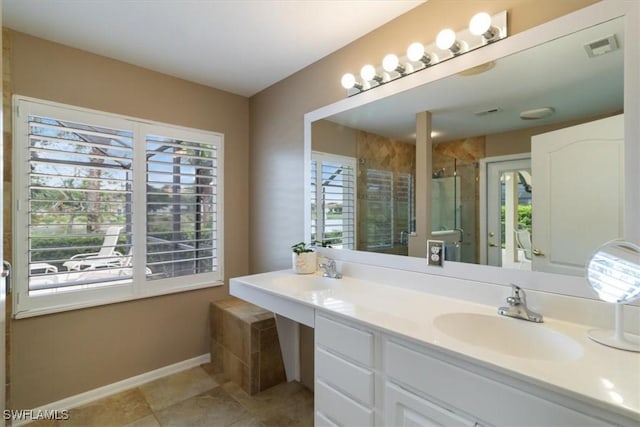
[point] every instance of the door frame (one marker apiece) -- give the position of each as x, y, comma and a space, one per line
483, 181
3, 281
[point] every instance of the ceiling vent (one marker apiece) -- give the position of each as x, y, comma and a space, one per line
486, 112
602, 46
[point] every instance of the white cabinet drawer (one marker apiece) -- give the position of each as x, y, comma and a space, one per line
337, 407
346, 377
353, 343
488, 400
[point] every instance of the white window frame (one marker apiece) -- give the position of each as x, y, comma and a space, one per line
320, 157
26, 305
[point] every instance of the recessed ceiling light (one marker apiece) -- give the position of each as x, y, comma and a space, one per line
477, 69
537, 113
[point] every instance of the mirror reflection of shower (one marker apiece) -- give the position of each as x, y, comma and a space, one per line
386, 194
455, 197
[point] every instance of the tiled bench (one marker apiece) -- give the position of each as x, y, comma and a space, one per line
244, 344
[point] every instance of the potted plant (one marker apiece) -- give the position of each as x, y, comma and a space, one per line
304, 258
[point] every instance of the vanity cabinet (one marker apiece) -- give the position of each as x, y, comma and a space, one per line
365, 377
344, 373
424, 387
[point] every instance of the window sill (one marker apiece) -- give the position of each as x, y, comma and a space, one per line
112, 300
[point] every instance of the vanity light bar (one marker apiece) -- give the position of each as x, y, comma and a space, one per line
483, 29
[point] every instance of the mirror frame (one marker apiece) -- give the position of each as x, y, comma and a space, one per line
562, 26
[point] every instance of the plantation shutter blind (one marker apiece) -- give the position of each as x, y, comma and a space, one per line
111, 208
333, 188
78, 194
314, 201
182, 207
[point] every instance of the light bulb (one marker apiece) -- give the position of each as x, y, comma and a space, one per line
415, 52
390, 62
480, 23
446, 39
368, 72
348, 81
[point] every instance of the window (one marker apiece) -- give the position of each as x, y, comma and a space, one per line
110, 208
333, 199
181, 207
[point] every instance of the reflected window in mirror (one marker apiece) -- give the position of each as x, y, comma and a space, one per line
333, 200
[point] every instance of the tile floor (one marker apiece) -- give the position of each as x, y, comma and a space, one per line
196, 397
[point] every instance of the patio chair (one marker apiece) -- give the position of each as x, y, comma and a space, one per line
107, 257
42, 268
127, 262
523, 239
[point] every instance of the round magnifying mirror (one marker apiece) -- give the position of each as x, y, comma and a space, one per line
613, 271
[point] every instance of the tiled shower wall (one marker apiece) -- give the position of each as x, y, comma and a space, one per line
381, 153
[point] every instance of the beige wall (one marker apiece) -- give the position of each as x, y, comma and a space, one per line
59, 355
330, 137
277, 113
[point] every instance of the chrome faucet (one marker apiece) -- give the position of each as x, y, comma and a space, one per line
518, 307
329, 268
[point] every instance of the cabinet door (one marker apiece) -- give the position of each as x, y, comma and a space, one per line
477, 394
405, 409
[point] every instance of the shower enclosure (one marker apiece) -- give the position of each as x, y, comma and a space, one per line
454, 206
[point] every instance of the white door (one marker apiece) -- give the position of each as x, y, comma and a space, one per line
501, 177
578, 193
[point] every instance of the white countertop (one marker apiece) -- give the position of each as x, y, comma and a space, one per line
603, 376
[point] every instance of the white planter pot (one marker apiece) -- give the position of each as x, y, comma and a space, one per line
305, 263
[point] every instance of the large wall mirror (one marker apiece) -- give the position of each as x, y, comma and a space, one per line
525, 163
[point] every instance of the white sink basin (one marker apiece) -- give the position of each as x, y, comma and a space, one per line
510, 336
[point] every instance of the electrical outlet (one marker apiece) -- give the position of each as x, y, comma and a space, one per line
435, 253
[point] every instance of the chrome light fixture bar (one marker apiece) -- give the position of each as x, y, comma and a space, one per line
483, 29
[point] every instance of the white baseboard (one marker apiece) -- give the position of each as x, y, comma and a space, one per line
101, 392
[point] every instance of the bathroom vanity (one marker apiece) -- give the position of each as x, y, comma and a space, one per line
387, 352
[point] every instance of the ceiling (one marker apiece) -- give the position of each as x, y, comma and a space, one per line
240, 46
557, 74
